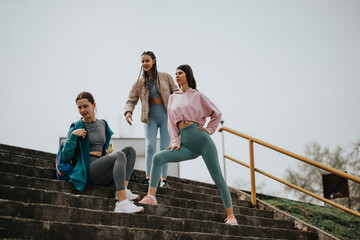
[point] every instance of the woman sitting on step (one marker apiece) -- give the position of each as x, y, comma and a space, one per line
187, 110
88, 141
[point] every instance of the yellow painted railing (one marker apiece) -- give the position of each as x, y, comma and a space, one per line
290, 154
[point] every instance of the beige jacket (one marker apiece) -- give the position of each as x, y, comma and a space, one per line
165, 85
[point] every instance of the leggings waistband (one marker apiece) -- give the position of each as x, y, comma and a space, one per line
189, 128
93, 158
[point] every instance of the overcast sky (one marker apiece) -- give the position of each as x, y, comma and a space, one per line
286, 72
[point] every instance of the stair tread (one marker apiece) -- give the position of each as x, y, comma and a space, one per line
25, 152
62, 198
6, 156
49, 173
135, 233
66, 186
37, 205
179, 213
98, 217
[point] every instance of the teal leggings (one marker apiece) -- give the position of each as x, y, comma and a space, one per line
158, 119
193, 144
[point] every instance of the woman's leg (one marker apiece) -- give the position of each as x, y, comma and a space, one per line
101, 170
210, 156
130, 154
166, 156
111, 167
164, 143
150, 141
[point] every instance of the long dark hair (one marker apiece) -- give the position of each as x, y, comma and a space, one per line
189, 75
148, 82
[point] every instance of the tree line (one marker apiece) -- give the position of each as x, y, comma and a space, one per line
310, 178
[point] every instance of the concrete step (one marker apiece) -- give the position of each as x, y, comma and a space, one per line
26, 152
50, 164
43, 159
26, 160
46, 212
25, 170
32, 162
177, 212
22, 228
202, 194
177, 184
14, 193
103, 203
36, 205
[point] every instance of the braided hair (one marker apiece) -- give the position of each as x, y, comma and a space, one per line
149, 81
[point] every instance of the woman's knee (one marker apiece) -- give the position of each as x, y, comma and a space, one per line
150, 148
132, 151
129, 150
159, 158
120, 157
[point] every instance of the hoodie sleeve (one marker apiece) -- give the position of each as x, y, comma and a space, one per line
211, 111
68, 151
173, 130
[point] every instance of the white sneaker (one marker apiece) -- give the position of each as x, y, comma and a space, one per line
164, 184
231, 220
127, 206
129, 195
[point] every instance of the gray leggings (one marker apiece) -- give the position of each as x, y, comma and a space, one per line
116, 166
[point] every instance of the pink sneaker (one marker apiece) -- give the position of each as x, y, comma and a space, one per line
231, 220
148, 200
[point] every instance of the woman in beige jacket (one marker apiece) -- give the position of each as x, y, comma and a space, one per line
153, 89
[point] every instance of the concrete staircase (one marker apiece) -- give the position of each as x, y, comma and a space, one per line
33, 204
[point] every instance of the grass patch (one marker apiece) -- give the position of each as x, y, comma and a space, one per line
332, 220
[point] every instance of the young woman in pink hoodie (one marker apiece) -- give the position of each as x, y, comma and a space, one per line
187, 111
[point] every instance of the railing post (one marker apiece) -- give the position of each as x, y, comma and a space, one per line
252, 173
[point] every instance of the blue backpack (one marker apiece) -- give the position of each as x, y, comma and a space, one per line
63, 169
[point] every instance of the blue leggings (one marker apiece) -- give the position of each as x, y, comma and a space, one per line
193, 144
157, 119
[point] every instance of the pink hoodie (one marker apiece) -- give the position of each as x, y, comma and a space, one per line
194, 106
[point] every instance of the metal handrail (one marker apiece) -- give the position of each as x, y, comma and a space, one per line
290, 154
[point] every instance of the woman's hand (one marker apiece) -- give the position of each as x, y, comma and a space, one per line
128, 117
201, 128
172, 148
108, 151
81, 132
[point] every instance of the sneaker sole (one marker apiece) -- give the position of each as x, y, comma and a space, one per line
152, 204
140, 211
232, 224
147, 203
137, 198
